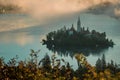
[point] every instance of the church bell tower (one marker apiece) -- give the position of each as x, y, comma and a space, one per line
78, 25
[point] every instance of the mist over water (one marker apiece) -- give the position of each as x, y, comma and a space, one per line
20, 41
48, 10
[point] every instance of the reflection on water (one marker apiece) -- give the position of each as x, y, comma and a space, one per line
9, 22
18, 38
21, 39
71, 51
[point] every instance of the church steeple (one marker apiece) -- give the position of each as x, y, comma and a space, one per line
78, 25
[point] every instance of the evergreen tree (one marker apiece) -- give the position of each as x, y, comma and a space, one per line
103, 62
46, 62
98, 65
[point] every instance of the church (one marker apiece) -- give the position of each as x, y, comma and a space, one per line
79, 25
77, 37
79, 28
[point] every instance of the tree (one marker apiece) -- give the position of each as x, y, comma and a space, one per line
1, 62
34, 56
103, 62
12, 62
46, 62
98, 65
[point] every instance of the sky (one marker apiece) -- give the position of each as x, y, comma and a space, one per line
49, 9
52, 8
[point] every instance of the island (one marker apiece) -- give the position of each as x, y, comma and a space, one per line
77, 38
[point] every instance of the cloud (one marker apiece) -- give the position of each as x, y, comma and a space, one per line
46, 9
106, 8
14, 22
49, 9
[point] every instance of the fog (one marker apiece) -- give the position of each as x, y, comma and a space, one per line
49, 9
52, 8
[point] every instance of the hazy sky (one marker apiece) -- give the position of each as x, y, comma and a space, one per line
43, 10
49, 9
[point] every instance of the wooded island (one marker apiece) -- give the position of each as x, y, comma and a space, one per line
77, 38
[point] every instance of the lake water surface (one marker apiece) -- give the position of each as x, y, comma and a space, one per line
19, 41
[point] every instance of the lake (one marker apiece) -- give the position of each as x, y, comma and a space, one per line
20, 33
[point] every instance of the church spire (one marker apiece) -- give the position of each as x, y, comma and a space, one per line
78, 25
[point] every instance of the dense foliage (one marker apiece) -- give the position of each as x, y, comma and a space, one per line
50, 68
70, 37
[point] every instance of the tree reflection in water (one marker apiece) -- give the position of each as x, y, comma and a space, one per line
71, 51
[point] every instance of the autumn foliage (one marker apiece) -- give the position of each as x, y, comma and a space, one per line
50, 68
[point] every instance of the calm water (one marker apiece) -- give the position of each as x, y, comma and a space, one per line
19, 41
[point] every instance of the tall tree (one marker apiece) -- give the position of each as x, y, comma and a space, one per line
98, 65
103, 61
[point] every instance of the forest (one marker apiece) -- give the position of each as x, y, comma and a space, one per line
70, 37
50, 68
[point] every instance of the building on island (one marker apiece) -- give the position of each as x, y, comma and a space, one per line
79, 29
72, 30
77, 37
78, 25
